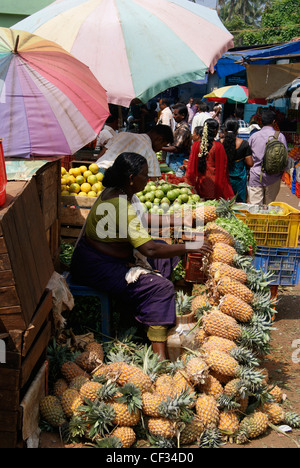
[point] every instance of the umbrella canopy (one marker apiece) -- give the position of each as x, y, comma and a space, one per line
232, 94
50, 103
285, 91
136, 48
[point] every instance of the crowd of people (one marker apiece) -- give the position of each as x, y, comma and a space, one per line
194, 141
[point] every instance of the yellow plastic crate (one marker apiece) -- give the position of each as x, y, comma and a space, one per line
272, 230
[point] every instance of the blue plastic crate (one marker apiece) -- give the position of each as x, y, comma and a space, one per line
283, 263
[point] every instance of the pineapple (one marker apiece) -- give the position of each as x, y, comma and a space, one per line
276, 393
211, 387
52, 411
218, 324
183, 303
70, 370
228, 422
207, 410
199, 302
87, 361
71, 401
210, 212
223, 253
151, 403
216, 342
162, 427
95, 418
197, 370
126, 435
217, 270
59, 387
90, 390
222, 363
164, 385
226, 285
192, 431
128, 406
182, 382
135, 375
96, 349
236, 308
274, 412
252, 426
200, 338
216, 234
292, 419
78, 382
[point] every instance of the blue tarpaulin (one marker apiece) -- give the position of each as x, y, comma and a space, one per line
227, 65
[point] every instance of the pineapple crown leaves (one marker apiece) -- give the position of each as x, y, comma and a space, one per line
211, 438
159, 442
131, 396
292, 419
227, 208
227, 403
98, 417
245, 356
173, 367
251, 379
150, 362
107, 391
108, 442
183, 303
177, 408
78, 427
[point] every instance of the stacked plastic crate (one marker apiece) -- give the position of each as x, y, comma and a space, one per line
276, 230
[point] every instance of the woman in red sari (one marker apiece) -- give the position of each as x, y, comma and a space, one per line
207, 168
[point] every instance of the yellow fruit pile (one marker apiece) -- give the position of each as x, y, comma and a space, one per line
82, 181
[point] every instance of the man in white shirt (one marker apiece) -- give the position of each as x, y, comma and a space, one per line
166, 114
146, 144
201, 115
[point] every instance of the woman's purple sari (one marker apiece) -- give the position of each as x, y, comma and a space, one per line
152, 296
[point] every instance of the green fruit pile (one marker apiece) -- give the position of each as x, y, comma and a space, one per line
165, 198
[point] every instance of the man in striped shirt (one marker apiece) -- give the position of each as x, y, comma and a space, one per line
146, 144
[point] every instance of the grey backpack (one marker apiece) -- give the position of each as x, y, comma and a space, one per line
275, 157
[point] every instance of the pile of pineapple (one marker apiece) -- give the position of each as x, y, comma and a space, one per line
123, 395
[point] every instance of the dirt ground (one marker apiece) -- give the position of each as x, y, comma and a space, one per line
283, 363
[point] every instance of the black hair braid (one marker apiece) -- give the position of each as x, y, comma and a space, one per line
207, 140
231, 129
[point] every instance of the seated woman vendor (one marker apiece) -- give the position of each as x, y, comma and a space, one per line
117, 255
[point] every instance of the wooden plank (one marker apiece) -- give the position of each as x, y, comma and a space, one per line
12, 318
7, 278
29, 244
84, 202
23, 280
5, 262
74, 216
39, 242
13, 362
8, 440
8, 297
70, 232
36, 352
40, 316
9, 421
9, 399
9, 379
3, 249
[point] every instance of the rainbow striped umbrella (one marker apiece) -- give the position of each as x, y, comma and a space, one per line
232, 94
50, 102
136, 48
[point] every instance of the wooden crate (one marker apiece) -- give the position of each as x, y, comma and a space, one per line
26, 265
74, 212
25, 353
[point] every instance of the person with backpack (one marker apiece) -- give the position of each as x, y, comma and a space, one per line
270, 153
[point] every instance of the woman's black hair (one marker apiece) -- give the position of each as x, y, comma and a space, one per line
212, 127
125, 165
229, 143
